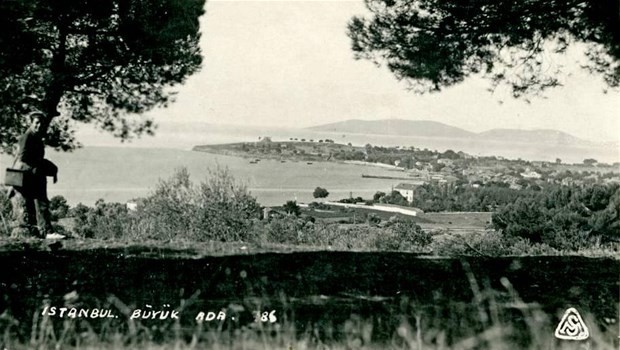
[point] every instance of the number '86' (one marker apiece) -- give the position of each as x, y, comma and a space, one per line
266, 316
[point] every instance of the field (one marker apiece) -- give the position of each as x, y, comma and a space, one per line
452, 222
322, 300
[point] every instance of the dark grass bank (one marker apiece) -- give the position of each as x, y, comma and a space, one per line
316, 293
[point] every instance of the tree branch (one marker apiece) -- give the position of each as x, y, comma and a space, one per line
91, 31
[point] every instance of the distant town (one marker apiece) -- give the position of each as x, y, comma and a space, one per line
423, 166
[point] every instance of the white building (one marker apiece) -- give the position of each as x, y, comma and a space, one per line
406, 190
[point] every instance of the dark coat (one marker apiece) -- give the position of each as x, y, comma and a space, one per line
30, 151
31, 157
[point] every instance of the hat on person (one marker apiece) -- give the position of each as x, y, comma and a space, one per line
36, 114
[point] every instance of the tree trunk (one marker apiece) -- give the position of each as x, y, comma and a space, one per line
54, 94
57, 86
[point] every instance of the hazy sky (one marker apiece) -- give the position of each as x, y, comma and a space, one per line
289, 63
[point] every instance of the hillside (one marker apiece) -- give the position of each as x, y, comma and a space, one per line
425, 128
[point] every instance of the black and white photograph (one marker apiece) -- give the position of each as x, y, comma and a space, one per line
309, 174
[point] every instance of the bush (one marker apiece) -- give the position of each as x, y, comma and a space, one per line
564, 217
395, 198
411, 233
320, 192
341, 237
59, 209
217, 209
287, 229
5, 212
373, 219
320, 206
404, 235
291, 208
351, 200
490, 243
567, 239
105, 220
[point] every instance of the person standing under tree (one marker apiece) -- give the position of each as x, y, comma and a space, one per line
31, 214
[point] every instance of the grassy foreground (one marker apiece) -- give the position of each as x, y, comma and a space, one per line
491, 314
489, 324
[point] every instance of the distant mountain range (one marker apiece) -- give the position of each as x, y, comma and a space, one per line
427, 128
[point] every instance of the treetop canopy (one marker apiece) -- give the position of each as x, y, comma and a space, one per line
438, 43
93, 61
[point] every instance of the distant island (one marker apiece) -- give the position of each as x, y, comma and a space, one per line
427, 128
